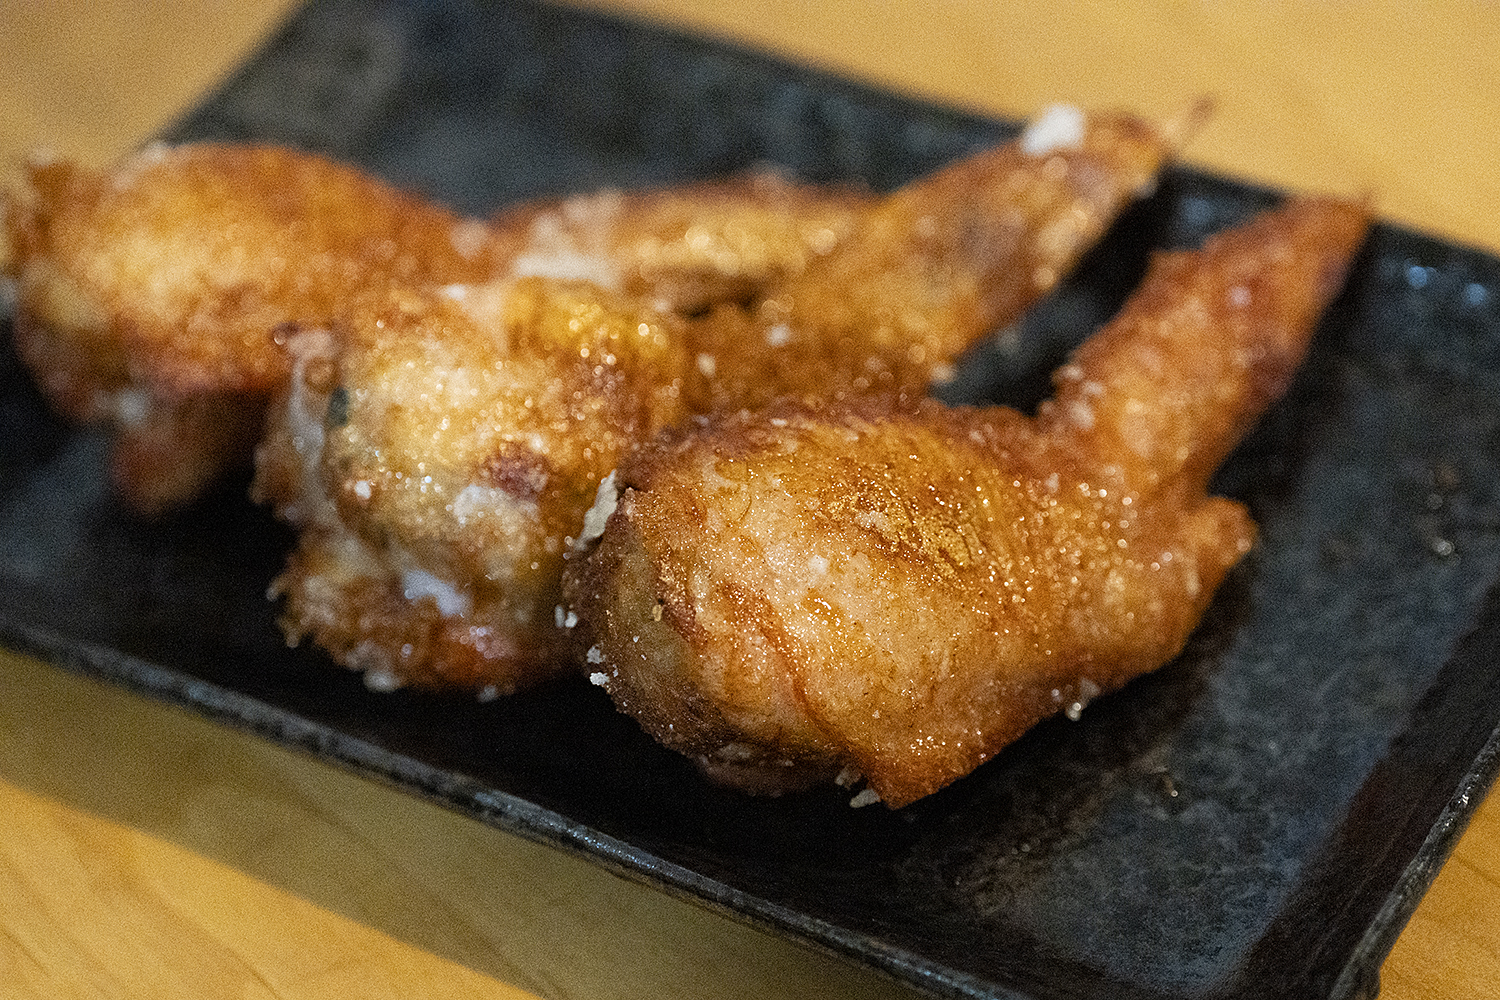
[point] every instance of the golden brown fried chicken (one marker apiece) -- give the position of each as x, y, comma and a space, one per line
941, 261
899, 590
152, 296
438, 459
470, 427
687, 247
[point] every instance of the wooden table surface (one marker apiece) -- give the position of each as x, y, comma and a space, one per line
145, 852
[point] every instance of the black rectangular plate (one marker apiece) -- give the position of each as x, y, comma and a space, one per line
1256, 819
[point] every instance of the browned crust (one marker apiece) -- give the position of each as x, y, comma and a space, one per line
541, 420
899, 590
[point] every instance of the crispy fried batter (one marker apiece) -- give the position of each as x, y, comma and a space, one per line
899, 590
439, 490
471, 427
685, 248
943, 260
151, 297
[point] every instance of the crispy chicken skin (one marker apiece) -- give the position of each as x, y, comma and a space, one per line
938, 263
897, 590
687, 247
151, 296
470, 427
438, 491
154, 296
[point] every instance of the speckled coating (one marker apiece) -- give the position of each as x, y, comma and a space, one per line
1255, 819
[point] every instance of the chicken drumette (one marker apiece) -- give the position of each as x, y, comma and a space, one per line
440, 446
156, 297
897, 590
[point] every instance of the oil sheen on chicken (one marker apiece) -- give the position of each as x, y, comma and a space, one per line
439, 447
156, 297
895, 590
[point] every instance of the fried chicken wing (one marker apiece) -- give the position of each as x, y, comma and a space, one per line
438, 457
687, 247
942, 261
898, 590
471, 426
151, 297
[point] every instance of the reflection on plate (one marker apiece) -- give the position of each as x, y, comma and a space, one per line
1256, 819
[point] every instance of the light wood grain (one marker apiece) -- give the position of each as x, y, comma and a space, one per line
1380, 96
146, 852
97, 908
88, 79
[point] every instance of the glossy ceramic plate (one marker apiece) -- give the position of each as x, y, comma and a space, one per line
1256, 819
